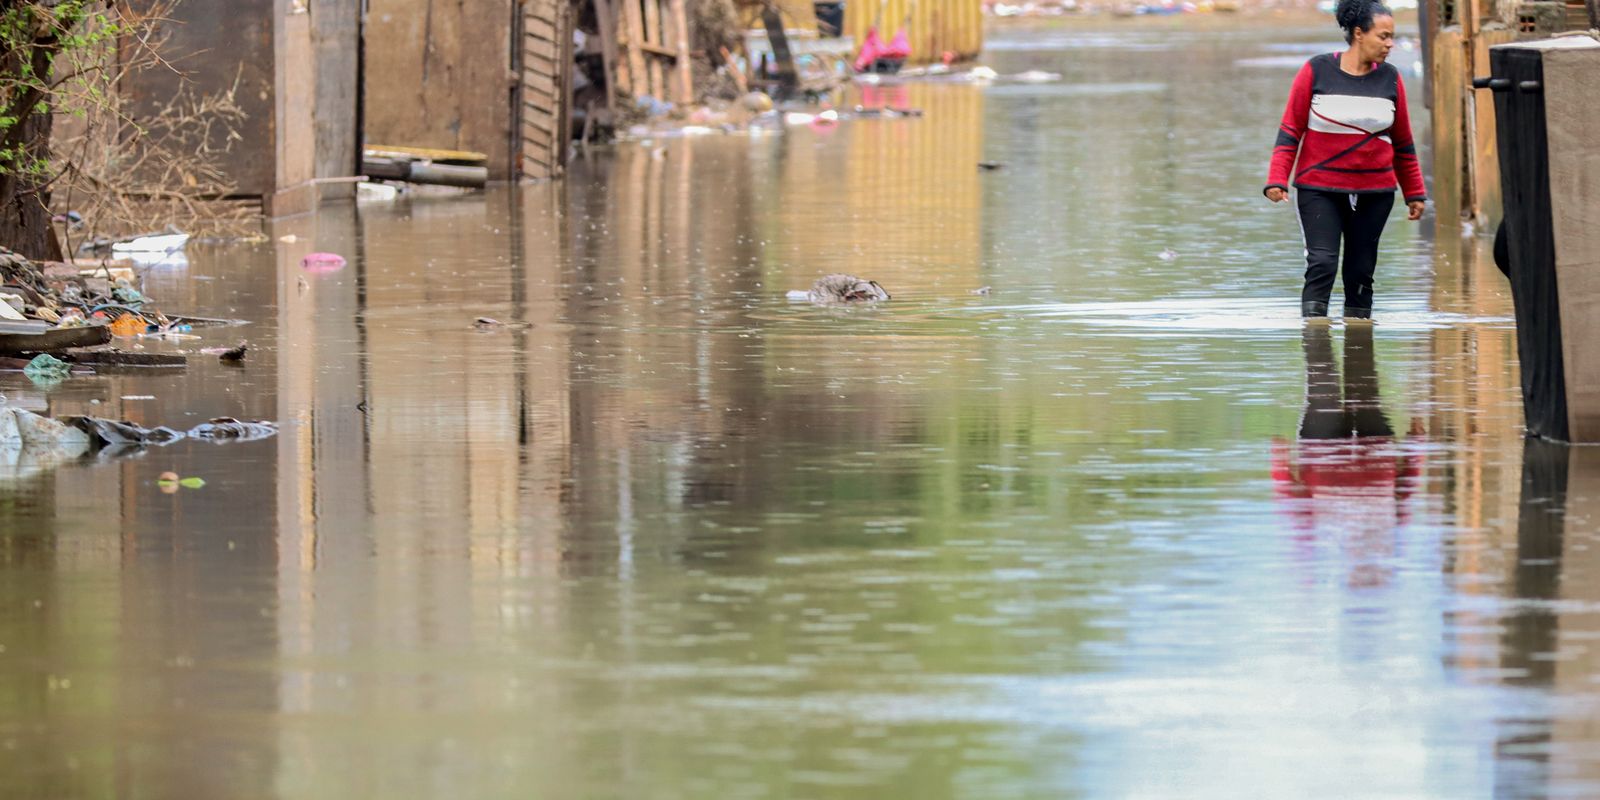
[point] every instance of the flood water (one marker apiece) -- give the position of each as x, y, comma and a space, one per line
1120, 527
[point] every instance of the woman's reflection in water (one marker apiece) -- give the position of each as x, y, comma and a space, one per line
1348, 474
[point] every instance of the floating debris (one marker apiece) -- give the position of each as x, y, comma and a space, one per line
490, 323
322, 262
45, 368
234, 354
228, 429
841, 288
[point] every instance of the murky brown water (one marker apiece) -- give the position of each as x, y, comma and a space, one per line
681, 538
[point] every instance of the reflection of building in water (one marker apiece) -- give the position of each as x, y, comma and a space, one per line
1474, 401
422, 459
1546, 642
906, 193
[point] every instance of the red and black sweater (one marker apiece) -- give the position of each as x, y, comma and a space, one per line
1351, 132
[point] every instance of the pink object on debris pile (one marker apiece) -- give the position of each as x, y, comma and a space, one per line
322, 262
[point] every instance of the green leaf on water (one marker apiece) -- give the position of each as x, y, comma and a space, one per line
192, 483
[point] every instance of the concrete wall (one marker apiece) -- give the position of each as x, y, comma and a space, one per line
1572, 119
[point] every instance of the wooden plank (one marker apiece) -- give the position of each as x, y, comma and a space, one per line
540, 130
537, 49
536, 143
540, 28
658, 50
40, 337
335, 37
683, 83
652, 41
616, 69
1448, 161
633, 25
439, 80
544, 95
540, 83
1485, 167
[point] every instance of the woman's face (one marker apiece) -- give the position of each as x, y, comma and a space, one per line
1375, 44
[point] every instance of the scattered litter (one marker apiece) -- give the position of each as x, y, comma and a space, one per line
28, 428
124, 292
45, 368
289, 238
322, 262
138, 397
153, 243
981, 290
1167, 255
490, 323
129, 325
105, 270
1035, 76
111, 433
234, 353
170, 482
42, 442
758, 102
11, 306
228, 429
158, 259
376, 192
840, 288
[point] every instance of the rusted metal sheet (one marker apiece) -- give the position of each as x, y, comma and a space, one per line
215, 45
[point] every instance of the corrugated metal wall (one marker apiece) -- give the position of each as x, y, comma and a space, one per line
936, 26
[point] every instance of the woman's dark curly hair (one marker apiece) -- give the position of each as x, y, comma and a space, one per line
1354, 14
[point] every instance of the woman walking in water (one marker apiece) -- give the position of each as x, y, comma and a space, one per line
1347, 137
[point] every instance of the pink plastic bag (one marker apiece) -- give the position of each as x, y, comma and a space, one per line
322, 262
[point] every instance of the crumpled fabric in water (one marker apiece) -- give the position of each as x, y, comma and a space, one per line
228, 429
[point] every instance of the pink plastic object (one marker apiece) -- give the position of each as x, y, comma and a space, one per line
322, 262
871, 50
899, 47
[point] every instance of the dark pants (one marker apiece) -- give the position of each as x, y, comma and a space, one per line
1335, 408
1326, 219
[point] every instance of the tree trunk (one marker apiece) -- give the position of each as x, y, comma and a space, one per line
25, 226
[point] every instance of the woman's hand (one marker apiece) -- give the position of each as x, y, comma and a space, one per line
1414, 209
1277, 195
